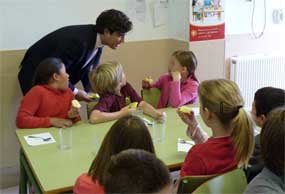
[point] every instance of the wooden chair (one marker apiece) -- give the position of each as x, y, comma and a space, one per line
230, 182
90, 107
151, 96
188, 184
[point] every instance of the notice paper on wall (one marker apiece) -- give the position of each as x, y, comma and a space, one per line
137, 9
160, 12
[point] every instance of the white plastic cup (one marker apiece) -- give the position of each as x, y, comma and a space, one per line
159, 130
65, 138
138, 112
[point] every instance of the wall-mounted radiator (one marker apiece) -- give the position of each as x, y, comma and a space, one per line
255, 71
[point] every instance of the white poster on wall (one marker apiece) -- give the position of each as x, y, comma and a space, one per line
160, 12
137, 9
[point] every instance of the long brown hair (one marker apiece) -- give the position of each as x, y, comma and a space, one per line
128, 132
187, 59
223, 98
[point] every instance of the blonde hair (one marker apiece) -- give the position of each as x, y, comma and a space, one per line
106, 77
223, 97
187, 59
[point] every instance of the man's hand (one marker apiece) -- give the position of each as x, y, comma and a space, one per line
82, 96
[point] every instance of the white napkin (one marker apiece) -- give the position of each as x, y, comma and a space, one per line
184, 145
38, 139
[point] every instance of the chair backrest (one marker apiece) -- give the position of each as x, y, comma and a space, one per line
230, 182
188, 184
90, 107
151, 96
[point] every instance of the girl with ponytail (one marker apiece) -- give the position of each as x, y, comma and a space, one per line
221, 108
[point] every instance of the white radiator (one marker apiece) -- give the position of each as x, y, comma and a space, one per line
255, 71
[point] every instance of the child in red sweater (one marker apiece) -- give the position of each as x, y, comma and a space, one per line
48, 103
232, 141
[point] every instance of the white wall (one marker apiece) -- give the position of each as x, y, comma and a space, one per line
25, 21
239, 12
179, 19
237, 17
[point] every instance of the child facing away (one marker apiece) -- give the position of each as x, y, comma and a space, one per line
137, 171
271, 178
180, 85
49, 102
265, 100
127, 132
221, 108
109, 81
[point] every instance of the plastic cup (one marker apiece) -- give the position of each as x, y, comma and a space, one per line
65, 138
138, 112
159, 130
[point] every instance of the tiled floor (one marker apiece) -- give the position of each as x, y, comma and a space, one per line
11, 190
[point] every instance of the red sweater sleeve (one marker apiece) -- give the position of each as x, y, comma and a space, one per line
26, 115
193, 165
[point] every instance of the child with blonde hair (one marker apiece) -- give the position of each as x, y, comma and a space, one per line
109, 81
180, 85
221, 108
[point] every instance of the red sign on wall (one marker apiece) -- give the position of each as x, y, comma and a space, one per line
206, 20
198, 33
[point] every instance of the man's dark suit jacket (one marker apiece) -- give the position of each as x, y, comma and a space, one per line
72, 44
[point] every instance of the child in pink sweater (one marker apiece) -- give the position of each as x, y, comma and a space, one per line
180, 85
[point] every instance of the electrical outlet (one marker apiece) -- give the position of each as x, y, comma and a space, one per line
277, 16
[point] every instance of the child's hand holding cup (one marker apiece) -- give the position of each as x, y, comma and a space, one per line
129, 109
161, 117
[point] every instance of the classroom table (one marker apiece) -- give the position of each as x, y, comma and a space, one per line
52, 170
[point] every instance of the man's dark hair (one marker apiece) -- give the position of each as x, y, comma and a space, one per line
272, 141
114, 21
135, 171
268, 98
